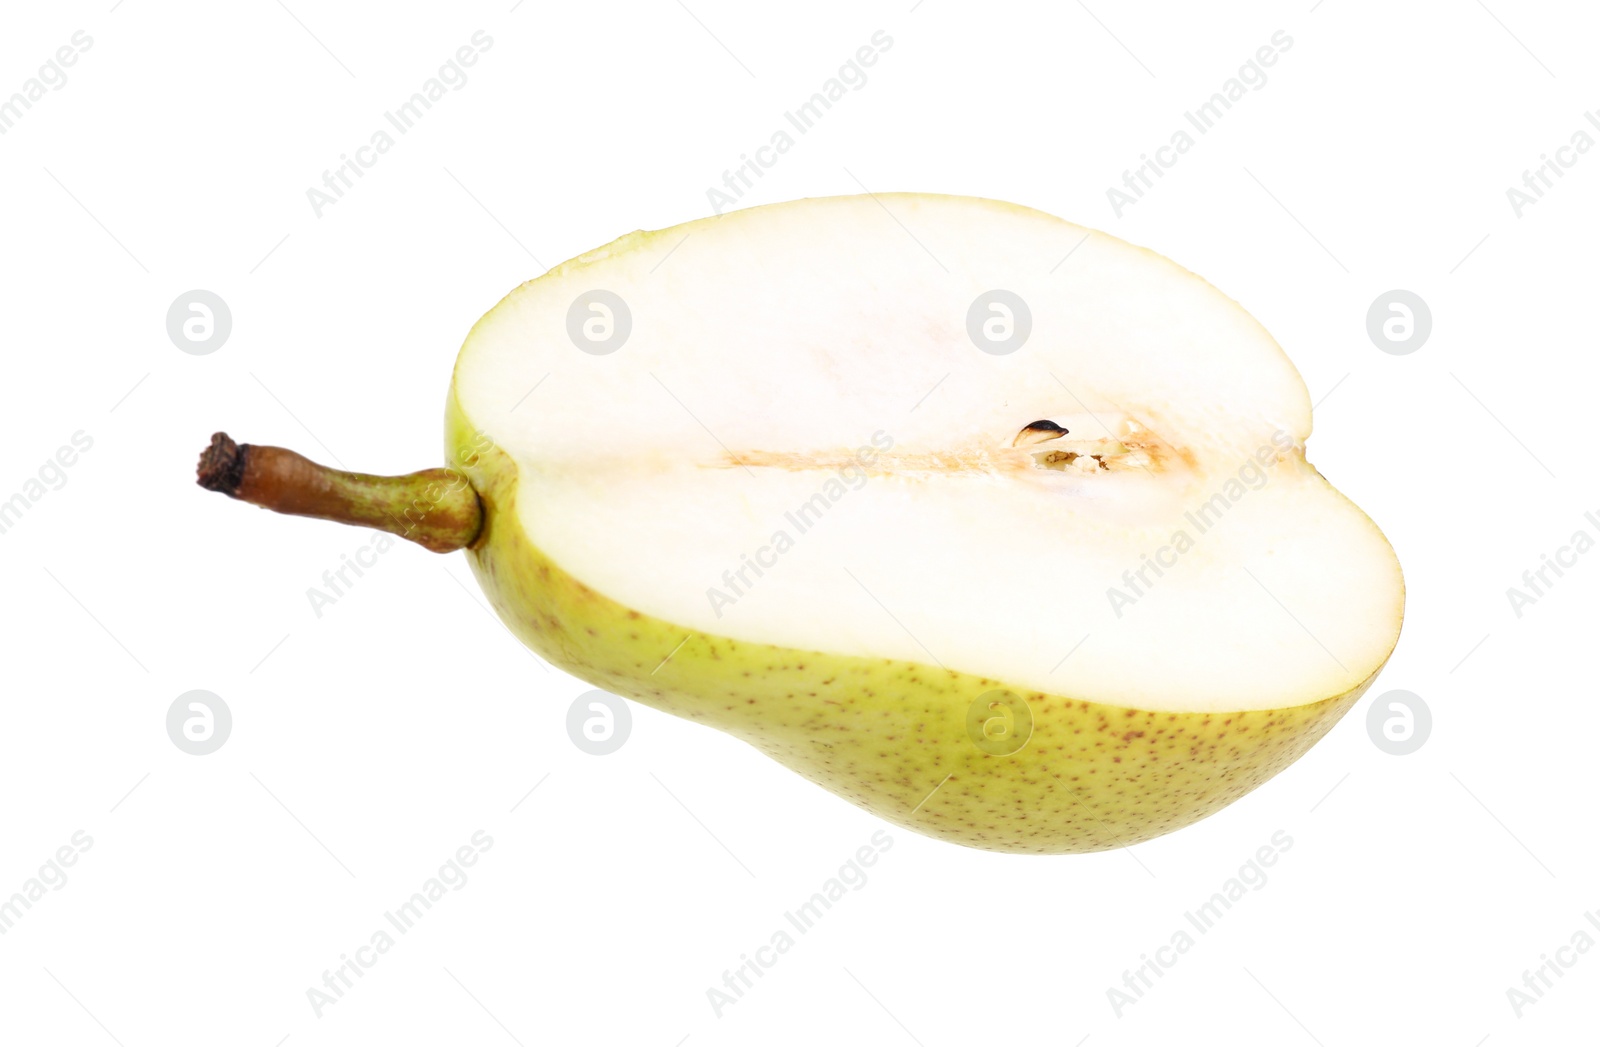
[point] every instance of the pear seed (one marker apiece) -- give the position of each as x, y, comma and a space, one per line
1038, 432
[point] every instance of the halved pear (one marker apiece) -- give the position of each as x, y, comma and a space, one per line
996, 526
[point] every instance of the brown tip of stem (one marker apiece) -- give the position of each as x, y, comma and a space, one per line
222, 465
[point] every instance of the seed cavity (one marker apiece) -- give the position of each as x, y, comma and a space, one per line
1071, 460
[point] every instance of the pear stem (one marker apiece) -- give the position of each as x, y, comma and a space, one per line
436, 508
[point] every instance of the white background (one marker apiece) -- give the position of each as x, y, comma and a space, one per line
370, 743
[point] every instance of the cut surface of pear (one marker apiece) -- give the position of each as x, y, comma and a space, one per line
999, 527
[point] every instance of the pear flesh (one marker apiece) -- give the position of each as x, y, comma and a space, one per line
1020, 552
